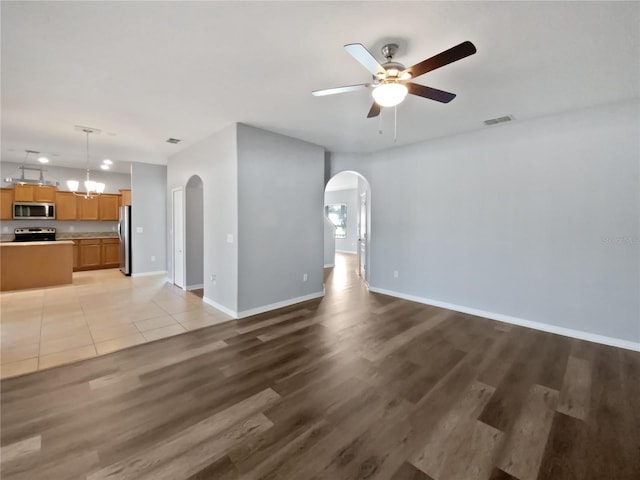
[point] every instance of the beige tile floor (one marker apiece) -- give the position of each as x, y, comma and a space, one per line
101, 312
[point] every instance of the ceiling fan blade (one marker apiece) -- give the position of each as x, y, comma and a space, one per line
364, 57
333, 91
430, 93
375, 110
440, 60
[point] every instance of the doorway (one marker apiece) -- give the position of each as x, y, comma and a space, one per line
194, 234
347, 206
177, 226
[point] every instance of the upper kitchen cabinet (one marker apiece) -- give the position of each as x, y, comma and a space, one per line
108, 206
34, 193
125, 197
6, 203
66, 206
87, 208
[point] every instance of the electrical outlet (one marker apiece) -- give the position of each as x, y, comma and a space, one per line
305, 277
229, 238
71, 228
153, 258
213, 279
139, 230
395, 274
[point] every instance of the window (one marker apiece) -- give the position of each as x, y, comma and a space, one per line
337, 213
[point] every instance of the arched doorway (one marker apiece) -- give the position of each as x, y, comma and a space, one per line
347, 204
194, 234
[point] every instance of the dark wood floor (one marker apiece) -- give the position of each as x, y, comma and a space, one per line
353, 386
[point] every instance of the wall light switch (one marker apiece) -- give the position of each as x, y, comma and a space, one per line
229, 238
395, 274
153, 258
305, 277
138, 229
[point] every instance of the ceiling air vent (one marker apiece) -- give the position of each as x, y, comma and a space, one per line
494, 121
174, 140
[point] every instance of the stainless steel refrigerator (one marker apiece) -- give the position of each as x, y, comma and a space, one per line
124, 232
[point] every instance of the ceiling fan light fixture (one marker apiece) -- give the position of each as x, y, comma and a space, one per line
389, 94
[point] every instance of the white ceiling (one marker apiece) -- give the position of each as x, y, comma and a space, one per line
147, 71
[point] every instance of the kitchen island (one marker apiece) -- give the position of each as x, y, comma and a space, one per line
35, 264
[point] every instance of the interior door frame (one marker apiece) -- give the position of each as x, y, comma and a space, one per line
175, 235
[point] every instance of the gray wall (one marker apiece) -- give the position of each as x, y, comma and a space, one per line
350, 198
194, 233
329, 243
537, 220
148, 212
214, 160
280, 184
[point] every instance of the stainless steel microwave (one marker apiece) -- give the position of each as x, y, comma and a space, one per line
37, 211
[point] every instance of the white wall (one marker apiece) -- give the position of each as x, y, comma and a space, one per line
214, 160
534, 221
280, 234
350, 198
148, 218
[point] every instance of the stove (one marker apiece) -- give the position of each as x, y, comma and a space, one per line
35, 234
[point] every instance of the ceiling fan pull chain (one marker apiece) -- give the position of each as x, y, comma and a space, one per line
380, 123
395, 123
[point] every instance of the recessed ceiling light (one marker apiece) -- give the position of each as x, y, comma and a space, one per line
104, 166
106, 161
43, 160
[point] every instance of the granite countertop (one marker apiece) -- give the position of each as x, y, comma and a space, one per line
8, 237
84, 235
32, 244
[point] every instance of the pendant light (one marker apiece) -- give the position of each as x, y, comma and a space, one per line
92, 188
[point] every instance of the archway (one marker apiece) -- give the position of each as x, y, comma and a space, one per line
194, 235
347, 204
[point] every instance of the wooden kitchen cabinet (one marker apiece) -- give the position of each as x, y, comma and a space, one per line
96, 253
108, 206
66, 206
110, 252
125, 197
44, 194
76, 255
87, 208
23, 193
34, 193
6, 203
89, 253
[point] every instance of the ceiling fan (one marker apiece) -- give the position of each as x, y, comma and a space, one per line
391, 80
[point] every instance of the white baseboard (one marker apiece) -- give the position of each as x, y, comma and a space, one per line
148, 274
217, 306
284, 303
347, 251
195, 287
329, 265
567, 332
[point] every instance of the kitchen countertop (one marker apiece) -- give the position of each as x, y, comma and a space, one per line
33, 244
85, 236
8, 237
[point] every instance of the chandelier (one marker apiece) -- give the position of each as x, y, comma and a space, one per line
92, 188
